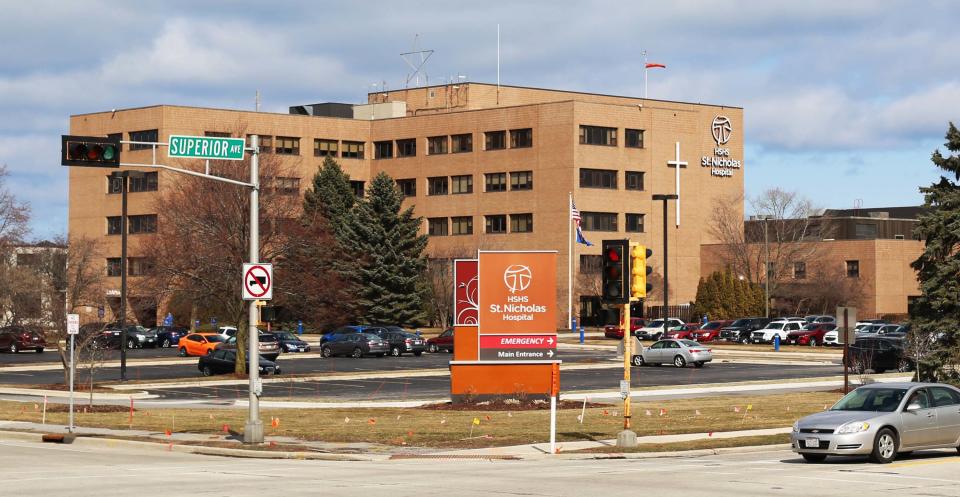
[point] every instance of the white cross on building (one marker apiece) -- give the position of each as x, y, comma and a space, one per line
677, 163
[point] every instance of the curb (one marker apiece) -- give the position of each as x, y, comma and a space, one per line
669, 454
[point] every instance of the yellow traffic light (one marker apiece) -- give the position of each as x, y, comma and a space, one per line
639, 271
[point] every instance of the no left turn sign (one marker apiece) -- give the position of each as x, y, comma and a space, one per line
257, 281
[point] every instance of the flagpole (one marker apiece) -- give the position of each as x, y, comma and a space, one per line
645, 70
570, 260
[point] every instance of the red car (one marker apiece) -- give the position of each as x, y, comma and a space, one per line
811, 334
684, 333
16, 338
615, 331
709, 331
443, 341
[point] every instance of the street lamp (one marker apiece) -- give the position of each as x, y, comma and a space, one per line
665, 197
123, 178
766, 261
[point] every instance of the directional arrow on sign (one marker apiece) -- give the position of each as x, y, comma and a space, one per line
549, 353
550, 341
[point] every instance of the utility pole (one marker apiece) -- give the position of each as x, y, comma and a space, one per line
123, 274
766, 264
666, 260
253, 431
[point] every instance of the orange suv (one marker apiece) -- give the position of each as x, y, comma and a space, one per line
199, 344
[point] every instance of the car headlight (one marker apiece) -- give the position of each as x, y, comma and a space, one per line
140, 337
853, 427
796, 426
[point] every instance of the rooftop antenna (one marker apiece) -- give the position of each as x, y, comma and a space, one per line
256, 101
411, 59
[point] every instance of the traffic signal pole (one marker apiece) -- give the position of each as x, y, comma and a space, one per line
627, 357
253, 431
123, 275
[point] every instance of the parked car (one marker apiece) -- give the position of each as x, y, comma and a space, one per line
882, 420
13, 339
616, 331
343, 330
685, 332
288, 342
227, 332
780, 327
741, 329
654, 330
405, 342
223, 361
198, 344
811, 334
169, 336
268, 346
443, 341
709, 331
355, 345
878, 354
111, 337
145, 337
676, 352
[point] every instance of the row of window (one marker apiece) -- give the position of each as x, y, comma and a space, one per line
607, 221
136, 266
800, 269
493, 182
600, 135
607, 178
456, 144
136, 225
493, 224
146, 183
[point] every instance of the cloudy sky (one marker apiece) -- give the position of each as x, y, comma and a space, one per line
843, 100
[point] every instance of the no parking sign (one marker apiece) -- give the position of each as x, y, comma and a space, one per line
257, 281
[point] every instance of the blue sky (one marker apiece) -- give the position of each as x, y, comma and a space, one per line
842, 100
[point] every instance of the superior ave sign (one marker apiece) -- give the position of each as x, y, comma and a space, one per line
206, 147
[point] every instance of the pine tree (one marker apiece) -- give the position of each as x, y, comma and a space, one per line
937, 310
393, 264
330, 195
698, 305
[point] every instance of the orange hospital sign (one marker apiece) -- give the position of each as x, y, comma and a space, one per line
518, 292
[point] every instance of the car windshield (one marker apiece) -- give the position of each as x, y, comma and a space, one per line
775, 326
740, 322
656, 324
287, 336
690, 343
871, 399
371, 336
712, 325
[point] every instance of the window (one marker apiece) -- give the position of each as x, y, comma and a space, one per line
144, 223
407, 147
633, 180
288, 145
943, 396
521, 180
634, 223
114, 185
437, 226
324, 148
799, 270
461, 143
462, 225
285, 186
114, 225
383, 150
496, 182
496, 223
598, 178
599, 221
217, 134
352, 150
140, 266
521, 223
495, 140
357, 187
437, 145
28, 260
462, 184
853, 269
865, 231
145, 183
149, 135
591, 264
521, 138
113, 266
437, 185
596, 135
265, 143
407, 187
633, 138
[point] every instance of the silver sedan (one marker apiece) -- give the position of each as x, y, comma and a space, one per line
676, 352
882, 420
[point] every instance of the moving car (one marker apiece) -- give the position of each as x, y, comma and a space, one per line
654, 330
355, 345
780, 327
267, 345
169, 336
709, 332
443, 341
741, 329
616, 331
676, 352
811, 334
225, 362
405, 342
882, 420
879, 354
288, 342
13, 339
198, 344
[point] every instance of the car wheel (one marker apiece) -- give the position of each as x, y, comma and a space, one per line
814, 457
357, 353
679, 361
183, 352
638, 360
884, 447
39, 350
131, 343
432, 348
207, 371
903, 366
745, 340
326, 352
395, 351
813, 342
14, 349
698, 364
209, 351
165, 343
418, 354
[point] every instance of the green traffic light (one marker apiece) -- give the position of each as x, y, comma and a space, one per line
109, 152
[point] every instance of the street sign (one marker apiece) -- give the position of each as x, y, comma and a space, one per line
517, 292
846, 330
624, 389
73, 324
206, 147
518, 347
257, 281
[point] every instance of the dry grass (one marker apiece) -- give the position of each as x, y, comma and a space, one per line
452, 429
717, 443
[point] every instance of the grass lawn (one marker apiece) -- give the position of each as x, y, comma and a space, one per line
452, 429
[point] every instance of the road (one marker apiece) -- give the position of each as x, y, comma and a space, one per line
31, 469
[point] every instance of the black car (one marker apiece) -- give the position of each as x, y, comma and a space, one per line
137, 337
405, 342
741, 329
354, 345
290, 342
169, 336
879, 354
225, 362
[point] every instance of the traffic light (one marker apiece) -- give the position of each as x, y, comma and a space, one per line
616, 272
639, 270
90, 151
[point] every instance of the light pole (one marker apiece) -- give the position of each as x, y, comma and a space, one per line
766, 263
123, 178
665, 197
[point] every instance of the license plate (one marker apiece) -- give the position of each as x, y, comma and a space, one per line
811, 443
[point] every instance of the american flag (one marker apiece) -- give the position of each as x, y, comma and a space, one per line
575, 216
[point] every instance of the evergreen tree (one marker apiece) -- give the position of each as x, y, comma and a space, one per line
698, 305
937, 310
389, 274
330, 195
728, 295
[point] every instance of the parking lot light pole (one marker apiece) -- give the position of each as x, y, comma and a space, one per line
766, 264
665, 197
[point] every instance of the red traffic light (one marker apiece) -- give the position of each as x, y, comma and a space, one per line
613, 254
